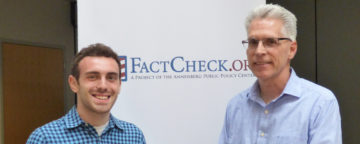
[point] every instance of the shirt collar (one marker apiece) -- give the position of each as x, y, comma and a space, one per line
291, 88
115, 123
254, 93
72, 120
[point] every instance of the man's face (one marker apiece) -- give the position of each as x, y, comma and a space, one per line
98, 84
268, 63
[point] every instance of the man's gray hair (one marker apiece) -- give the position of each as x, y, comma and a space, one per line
277, 12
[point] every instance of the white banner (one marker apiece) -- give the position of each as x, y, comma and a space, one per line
183, 62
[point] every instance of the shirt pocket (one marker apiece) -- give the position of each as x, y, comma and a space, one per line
290, 140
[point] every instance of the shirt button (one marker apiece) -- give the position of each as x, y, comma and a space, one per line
262, 134
266, 111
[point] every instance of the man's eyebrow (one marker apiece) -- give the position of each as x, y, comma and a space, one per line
92, 72
113, 73
97, 73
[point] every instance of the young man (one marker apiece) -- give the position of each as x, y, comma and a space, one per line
95, 78
280, 107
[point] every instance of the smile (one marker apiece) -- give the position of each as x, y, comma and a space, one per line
101, 97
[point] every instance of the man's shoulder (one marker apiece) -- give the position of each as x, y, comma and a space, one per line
54, 125
315, 90
40, 134
240, 97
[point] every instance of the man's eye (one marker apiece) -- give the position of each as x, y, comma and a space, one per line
91, 77
112, 78
253, 42
270, 42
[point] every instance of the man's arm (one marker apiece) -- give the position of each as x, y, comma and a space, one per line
326, 124
224, 132
143, 138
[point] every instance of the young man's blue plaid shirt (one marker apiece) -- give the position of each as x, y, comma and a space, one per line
72, 129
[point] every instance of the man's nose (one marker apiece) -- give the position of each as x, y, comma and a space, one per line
102, 85
260, 49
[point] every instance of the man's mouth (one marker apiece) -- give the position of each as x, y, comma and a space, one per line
102, 97
261, 63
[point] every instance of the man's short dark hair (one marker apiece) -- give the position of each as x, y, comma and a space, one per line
94, 50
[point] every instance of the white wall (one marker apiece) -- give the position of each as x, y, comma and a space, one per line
165, 34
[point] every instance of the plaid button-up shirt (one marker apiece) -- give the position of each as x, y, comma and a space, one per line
71, 129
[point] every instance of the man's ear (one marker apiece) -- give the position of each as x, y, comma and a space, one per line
293, 50
74, 85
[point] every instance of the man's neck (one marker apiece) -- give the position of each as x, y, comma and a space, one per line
272, 88
93, 118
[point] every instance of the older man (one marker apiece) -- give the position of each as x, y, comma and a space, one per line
280, 107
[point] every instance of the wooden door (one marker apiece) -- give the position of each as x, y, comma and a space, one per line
33, 89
